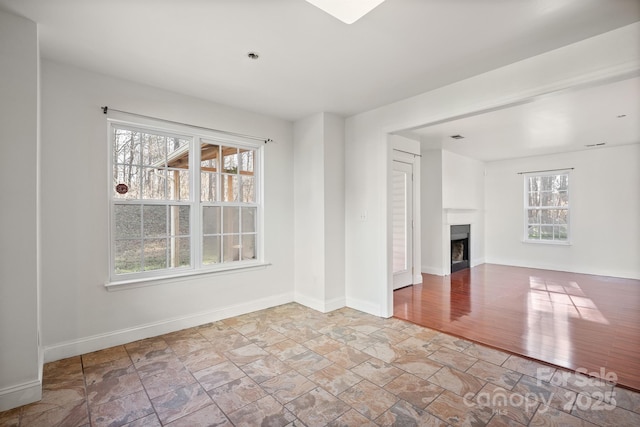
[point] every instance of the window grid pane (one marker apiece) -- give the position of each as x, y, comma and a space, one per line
231, 247
128, 256
229, 188
209, 172
155, 254
230, 160
211, 250
177, 184
249, 246
209, 187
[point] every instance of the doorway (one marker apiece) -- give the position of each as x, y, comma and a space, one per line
402, 223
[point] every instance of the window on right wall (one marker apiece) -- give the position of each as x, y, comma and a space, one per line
547, 207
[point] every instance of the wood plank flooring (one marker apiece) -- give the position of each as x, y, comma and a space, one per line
575, 321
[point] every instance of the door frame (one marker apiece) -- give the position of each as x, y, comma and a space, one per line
404, 277
407, 152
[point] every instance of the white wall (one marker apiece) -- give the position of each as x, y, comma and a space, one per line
432, 213
319, 211
334, 161
78, 313
20, 364
462, 182
367, 274
605, 213
463, 202
368, 277
308, 166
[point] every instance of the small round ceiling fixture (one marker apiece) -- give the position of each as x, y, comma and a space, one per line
253, 55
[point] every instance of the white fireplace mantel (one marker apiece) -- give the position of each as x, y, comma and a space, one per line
453, 216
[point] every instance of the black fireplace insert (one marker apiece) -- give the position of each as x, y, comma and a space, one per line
460, 235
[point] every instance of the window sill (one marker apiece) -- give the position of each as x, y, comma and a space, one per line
547, 242
182, 276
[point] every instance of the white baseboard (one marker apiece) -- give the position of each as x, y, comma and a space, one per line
319, 305
21, 394
307, 301
417, 279
334, 304
432, 270
363, 306
123, 336
477, 261
439, 272
568, 268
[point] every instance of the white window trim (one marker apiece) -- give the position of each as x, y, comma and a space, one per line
525, 222
148, 278
191, 274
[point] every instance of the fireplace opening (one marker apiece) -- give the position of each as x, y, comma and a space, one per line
460, 235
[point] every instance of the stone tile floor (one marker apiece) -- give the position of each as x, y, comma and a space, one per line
293, 366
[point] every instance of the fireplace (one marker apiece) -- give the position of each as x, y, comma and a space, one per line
460, 235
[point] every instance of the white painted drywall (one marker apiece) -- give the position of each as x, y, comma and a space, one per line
463, 203
20, 368
367, 274
78, 313
432, 213
319, 211
308, 186
462, 182
605, 213
334, 165
368, 277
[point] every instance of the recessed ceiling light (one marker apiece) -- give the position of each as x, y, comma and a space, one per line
348, 11
457, 136
253, 55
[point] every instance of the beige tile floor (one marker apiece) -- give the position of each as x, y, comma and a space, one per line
293, 366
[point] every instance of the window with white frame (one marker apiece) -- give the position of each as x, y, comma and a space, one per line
547, 207
181, 202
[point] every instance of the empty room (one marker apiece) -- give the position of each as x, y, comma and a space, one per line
310, 213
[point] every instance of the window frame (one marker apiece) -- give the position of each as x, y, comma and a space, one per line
527, 207
196, 136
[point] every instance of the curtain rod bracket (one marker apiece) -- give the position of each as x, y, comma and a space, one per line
105, 109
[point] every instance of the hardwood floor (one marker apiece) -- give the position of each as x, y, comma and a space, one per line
575, 321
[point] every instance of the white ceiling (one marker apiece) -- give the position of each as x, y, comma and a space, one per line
309, 61
579, 119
